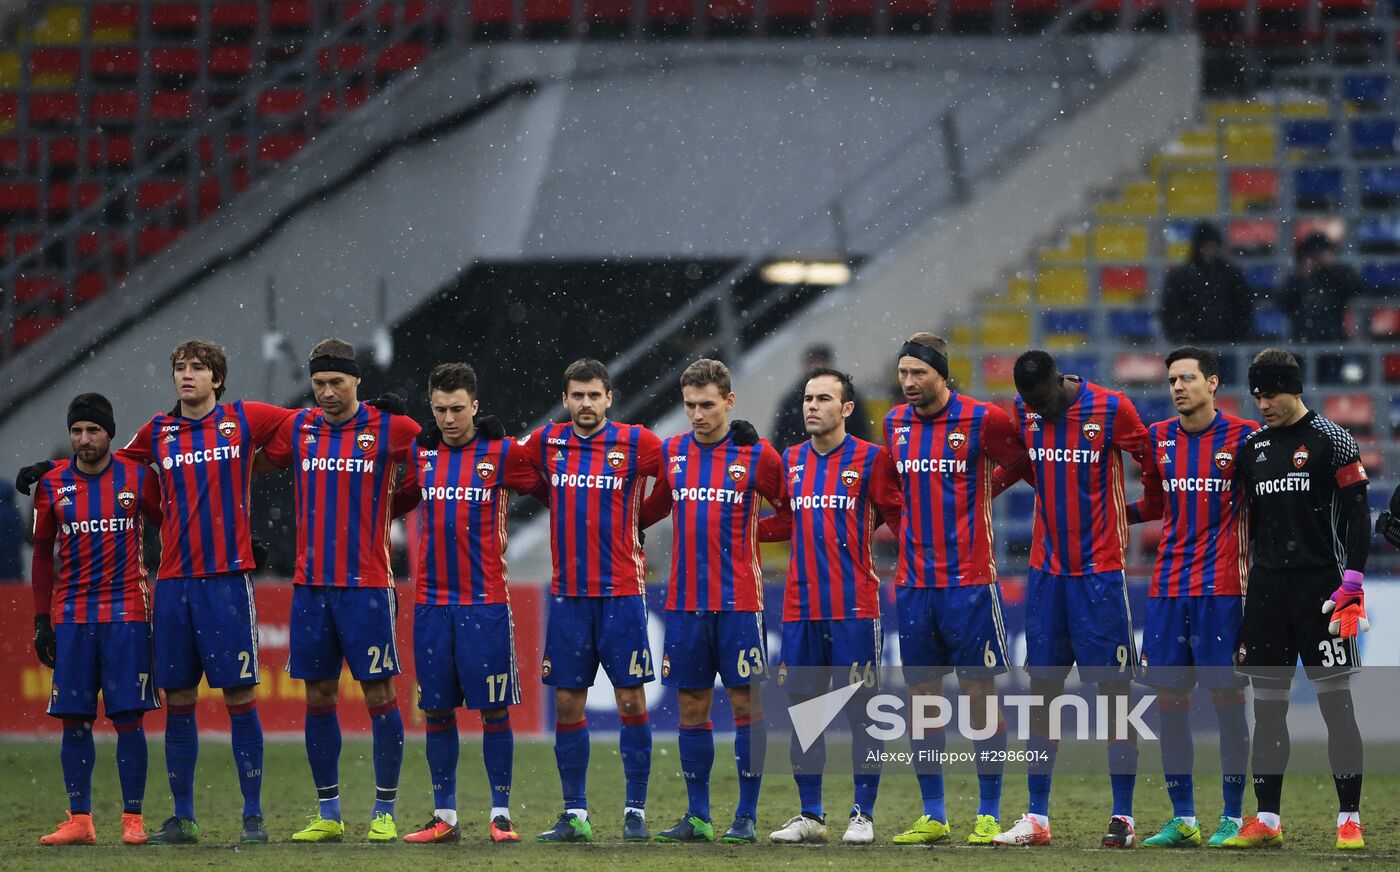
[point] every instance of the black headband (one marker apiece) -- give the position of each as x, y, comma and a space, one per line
1275, 378
326, 363
927, 355
100, 417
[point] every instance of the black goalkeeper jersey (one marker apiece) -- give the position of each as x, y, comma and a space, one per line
1293, 475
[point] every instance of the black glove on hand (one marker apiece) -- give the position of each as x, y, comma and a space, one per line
260, 553
45, 643
744, 432
30, 475
430, 436
1388, 524
390, 403
490, 426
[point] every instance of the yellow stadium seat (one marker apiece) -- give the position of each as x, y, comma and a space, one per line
61, 25
1065, 342
9, 70
1305, 110
960, 336
1250, 142
1136, 200
1227, 110
1120, 242
960, 370
1192, 193
1061, 286
1018, 290
113, 35
1070, 250
1005, 329
53, 81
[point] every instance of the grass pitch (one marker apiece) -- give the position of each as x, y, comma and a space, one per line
32, 800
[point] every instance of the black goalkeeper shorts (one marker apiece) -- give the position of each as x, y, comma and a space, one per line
1283, 621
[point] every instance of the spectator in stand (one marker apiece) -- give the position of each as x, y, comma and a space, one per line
1316, 295
789, 428
1206, 299
11, 533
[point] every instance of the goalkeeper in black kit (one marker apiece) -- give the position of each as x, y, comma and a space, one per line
1312, 532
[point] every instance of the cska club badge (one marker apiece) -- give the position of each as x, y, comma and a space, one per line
737, 471
126, 499
957, 439
615, 458
227, 427
1092, 430
666, 666
782, 673
850, 476
365, 439
1223, 459
485, 469
1300, 457
546, 666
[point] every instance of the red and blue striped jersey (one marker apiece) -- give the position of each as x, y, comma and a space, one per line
461, 522
1192, 482
342, 476
596, 486
837, 501
945, 464
95, 523
206, 472
1077, 468
712, 494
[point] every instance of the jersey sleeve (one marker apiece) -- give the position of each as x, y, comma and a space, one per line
41, 564
522, 476
529, 448
408, 494
1346, 458
278, 449
772, 477
403, 430
139, 448
1152, 503
658, 503
43, 513
152, 508
649, 453
1129, 434
885, 491
266, 420
1002, 442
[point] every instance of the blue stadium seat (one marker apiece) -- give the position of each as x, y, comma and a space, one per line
1373, 135
1394, 420
1154, 407
1382, 277
1131, 324
1380, 187
1365, 88
1318, 184
1067, 321
1270, 322
1086, 365
1379, 235
1312, 135
1262, 278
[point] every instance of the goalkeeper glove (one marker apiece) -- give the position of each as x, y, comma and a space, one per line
1347, 606
45, 643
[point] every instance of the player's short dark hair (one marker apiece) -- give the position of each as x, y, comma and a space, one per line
332, 347
931, 340
1275, 356
586, 369
848, 388
449, 377
708, 371
1209, 363
207, 353
1033, 369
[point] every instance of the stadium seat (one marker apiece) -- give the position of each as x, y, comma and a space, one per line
1247, 142
1381, 277
1138, 369
1072, 249
1122, 284
1005, 329
1061, 286
1192, 193
1309, 135
1253, 237
1384, 323
1132, 325
1380, 187
1367, 89
1253, 190
1373, 136
1317, 187
1379, 235
1270, 323
31, 327
154, 239
997, 372
1355, 412
1155, 406
1120, 242
1066, 328
1262, 278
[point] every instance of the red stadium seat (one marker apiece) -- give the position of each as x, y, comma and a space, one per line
1390, 367
607, 11
804, 10
671, 11
230, 60
346, 56
49, 60
29, 288
109, 151
158, 194
153, 240
107, 16
116, 63
83, 195
731, 11
171, 105
32, 327
404, 56
279, 147
90, 286
851, 8
115, 106
333, 103
1355, 412
174, 16
19, 197
23, 242
290, 14
166, 60
281, 102
234, 16
492, 13
1252, 236
1143, 369
53, 107
1385, 322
